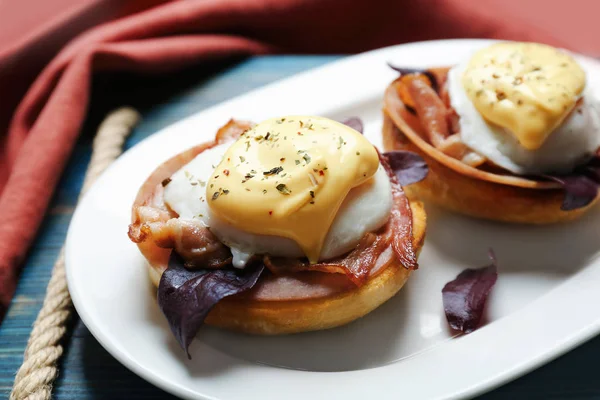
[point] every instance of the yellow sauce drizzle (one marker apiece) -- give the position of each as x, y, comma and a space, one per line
527, 88
288, 177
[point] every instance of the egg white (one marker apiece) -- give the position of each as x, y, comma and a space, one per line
569, 145
365, 209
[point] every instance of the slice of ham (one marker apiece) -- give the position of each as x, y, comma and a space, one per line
375, 250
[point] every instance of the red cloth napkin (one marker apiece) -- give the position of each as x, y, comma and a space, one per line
150, 38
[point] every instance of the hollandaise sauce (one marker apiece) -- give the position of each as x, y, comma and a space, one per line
288, 177
526, 88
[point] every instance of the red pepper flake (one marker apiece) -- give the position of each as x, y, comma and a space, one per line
321, 173
271, 212
226, 172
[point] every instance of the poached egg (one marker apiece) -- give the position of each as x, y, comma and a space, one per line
526, 107
289, 187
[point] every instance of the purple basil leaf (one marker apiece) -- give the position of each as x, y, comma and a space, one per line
354, 123
580, 190
580, 187
185, 297
464, 297
593, 172
407, 71
408, 166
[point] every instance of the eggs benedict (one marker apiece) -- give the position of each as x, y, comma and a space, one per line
290, 225
286, 188
509, 134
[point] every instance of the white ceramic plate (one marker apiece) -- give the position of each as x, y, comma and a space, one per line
545, 301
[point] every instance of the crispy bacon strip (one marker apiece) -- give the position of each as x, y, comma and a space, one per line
441, 122
453, 121
196, 244
154, 223
356, 265
430, 109
400, 221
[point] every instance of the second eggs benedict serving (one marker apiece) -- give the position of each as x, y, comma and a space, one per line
294, 224
510, 133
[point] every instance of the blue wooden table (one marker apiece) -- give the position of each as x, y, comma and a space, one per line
87, 370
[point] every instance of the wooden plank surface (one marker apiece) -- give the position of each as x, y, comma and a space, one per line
88, 371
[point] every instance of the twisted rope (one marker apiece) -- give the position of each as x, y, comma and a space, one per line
39, 369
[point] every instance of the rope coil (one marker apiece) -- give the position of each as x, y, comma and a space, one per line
39, 368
